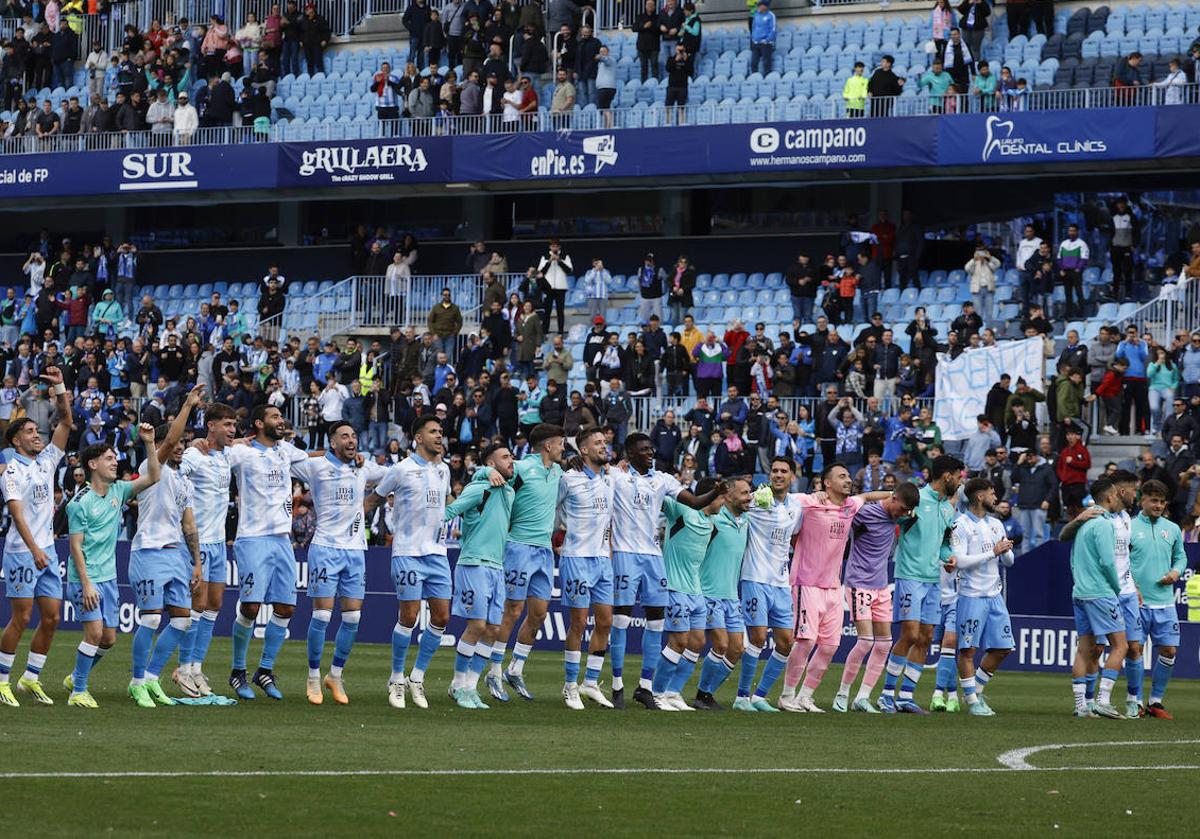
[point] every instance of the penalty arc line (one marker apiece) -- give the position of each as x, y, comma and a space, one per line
1016, 759
418, 773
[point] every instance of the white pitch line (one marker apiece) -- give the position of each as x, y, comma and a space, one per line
418, 773
1015, 759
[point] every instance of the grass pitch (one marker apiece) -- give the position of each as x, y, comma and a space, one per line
525, 768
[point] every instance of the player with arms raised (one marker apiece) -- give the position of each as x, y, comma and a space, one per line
207, 468
337, 566
585, 502
420, 569
31, 567
94, 519
766, 590
263, 548
165, 565
639, 573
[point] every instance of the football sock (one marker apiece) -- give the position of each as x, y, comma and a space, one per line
912, 675
463, 654
1160, 675
431, 639
204, 634
34, 663
652, 646
85, 660
188, 644
982, 677
401, 641
571, 665
947, 672
479, 663
343, 642
168, 642
683, 671
771, 672
1108, 678
1079, 690
143, 640
749, 668
854, 659
714, 672
968, 686
318, 627
616, 648
243, 628
595, 663
875, 666
6, 666
667, 662
895, 668
1090, 681
1135, 674
273, 638
797, 661
520, 655
821, 658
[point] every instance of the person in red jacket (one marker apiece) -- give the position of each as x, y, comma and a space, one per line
76, 307
1109, 390
1072, 470
884, 249
735, 337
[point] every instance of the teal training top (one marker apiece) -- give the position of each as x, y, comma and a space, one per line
687, 536
722, 566
1155, 549
485, 511
1092, 565
98, 518
537, 497
924, 542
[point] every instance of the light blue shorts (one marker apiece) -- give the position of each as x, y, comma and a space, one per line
266, 569
336, 572
1098, 617
764, 605
586, 581
24, 580
160, 577
639, 578
213, 556
947, 622
528, 571
109, 608
1131, 611
421, 577
724, 614
686, 611
983, 624
914, 600
1161, 623
478, 593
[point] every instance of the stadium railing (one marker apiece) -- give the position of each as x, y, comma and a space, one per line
1177, 306
707, 113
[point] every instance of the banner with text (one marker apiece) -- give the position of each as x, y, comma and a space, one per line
365, 162
1047, 136
963, 383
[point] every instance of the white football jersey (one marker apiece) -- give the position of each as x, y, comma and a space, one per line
209, 475
160, 511
973, 542
585, 506
1121, 535
337, 492
264, 477
637, 506
769, 541
32, 483
420, 489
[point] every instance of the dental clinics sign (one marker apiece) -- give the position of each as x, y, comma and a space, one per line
1047, 136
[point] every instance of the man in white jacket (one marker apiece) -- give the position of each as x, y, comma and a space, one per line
555, 266
981, 271
186, 120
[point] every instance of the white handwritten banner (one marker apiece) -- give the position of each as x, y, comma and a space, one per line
963, 383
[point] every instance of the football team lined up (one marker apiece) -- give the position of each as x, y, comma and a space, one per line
733, 568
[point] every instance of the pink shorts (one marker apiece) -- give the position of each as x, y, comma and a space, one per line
873, 604
818, 614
